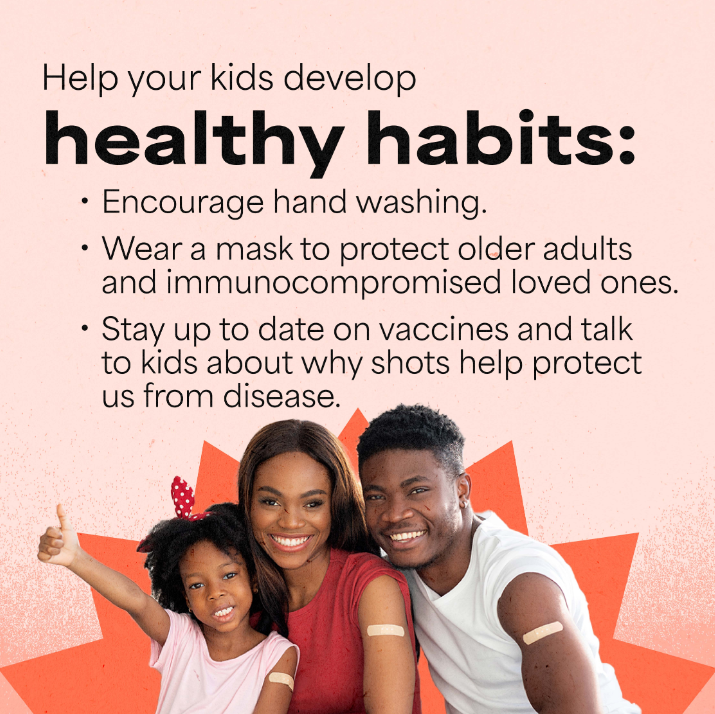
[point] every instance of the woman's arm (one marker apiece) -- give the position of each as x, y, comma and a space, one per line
61, 547
276, 692
389, 678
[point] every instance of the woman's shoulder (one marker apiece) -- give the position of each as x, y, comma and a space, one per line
360, 569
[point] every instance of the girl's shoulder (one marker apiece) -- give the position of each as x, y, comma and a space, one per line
274, 647
276, 641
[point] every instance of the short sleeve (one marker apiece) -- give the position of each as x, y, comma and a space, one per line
507, 564
364, 569
180, 626
275, 647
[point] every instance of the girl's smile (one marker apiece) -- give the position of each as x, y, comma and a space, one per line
218, 588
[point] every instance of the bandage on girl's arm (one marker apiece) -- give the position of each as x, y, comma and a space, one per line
389, 673
278, 686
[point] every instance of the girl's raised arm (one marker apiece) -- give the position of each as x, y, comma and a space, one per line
61, 547
389, 675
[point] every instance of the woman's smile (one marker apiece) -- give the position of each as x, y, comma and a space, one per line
290, 543
290, 509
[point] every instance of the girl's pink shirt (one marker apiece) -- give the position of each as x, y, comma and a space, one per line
193, 683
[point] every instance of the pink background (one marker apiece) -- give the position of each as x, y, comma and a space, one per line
597, 456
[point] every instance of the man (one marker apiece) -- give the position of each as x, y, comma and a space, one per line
500, 617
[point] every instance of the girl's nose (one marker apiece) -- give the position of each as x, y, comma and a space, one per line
216, 589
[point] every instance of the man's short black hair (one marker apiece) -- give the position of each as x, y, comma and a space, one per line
414, 428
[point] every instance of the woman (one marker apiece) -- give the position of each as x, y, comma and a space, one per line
307, 515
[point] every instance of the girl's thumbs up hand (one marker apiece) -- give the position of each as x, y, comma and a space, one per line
59, 546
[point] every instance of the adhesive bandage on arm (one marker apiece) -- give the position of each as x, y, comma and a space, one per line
376, 630
280, 678
543, 631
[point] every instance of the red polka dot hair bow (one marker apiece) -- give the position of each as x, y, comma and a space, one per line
183, 496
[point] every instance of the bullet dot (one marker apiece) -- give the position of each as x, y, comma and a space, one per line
627, 132
85, 328
84, 200
337, 405
675, 291
85, 246
627, 157
526, 115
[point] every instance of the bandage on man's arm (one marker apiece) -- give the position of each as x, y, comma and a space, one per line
557, 668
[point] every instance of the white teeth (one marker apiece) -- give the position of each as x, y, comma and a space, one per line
221, 613
290, 541
407, 536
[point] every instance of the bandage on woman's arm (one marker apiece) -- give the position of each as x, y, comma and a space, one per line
389, 674
557, 668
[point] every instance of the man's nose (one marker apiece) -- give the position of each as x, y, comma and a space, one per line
396, 510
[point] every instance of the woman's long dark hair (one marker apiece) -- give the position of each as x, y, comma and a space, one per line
348, 530
226, 528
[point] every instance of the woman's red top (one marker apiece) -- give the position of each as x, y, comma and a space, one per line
329, 679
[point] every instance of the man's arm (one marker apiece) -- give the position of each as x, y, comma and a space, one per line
557, 669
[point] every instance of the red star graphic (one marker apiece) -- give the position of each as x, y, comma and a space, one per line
111, 675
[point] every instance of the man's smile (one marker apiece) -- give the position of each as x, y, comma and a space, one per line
409, 535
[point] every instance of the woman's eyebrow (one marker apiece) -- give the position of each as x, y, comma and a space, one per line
314, 492
274, 491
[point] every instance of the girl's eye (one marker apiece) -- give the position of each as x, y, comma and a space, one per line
195, 586
228, 576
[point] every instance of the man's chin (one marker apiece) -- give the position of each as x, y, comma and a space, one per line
413, 559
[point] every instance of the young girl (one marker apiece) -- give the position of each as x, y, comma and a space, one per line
210, 658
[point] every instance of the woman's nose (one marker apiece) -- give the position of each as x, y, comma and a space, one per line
291, 518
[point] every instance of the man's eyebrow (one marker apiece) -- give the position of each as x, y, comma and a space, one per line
403, 484
414, 479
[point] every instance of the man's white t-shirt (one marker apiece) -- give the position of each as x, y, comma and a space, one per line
473, 662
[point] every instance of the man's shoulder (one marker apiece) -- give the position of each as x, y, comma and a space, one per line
503, 554
494, 541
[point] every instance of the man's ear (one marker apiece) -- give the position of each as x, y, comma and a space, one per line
464, 488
